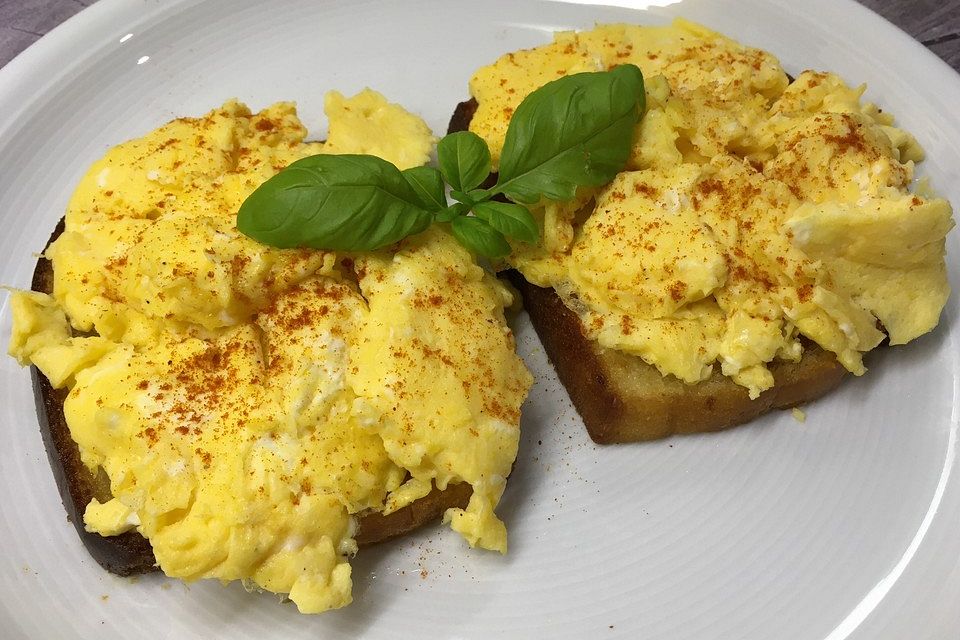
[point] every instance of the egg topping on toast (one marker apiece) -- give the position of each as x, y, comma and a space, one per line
753, 212
249, 403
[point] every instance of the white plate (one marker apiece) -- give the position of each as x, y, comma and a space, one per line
845, 526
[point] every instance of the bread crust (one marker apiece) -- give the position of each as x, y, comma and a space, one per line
130, 553
621, 398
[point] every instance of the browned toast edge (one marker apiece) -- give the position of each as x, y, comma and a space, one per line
588, 372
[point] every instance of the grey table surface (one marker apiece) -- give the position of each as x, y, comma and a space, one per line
935, 23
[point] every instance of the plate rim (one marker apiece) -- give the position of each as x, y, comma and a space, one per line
19, 77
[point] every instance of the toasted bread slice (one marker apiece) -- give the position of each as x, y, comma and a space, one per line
621, 398
130, 553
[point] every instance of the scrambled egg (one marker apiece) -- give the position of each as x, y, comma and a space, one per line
753, 212
247, 402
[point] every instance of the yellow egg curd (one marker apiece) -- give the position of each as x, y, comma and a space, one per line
753, 212
250, 404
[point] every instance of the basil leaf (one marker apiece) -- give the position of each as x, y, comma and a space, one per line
455, 210
345, 202
464, 160
513, 220
478, 195
479, 237
428, 185
571, 132
465, 198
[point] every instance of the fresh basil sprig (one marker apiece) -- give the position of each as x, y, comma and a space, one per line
345, 202
479, 237
428, 183
572, 132
464, 160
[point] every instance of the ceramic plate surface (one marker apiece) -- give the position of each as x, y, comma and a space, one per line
846, 526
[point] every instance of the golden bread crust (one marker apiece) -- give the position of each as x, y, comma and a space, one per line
621, 398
